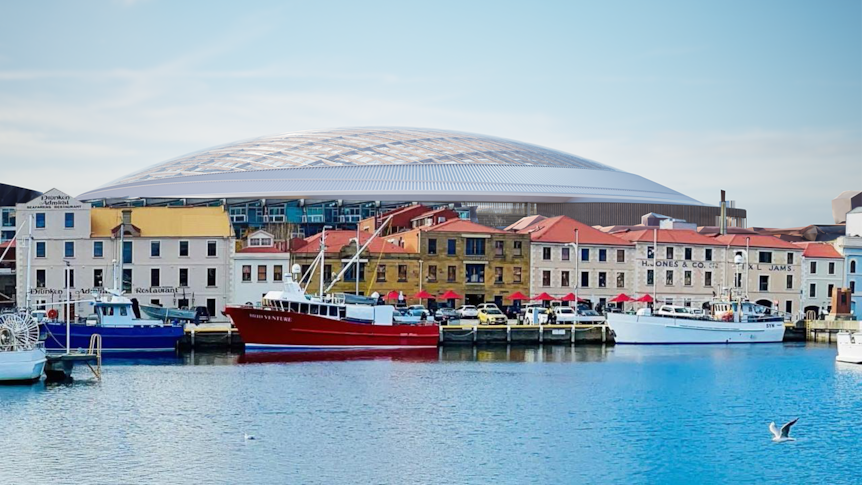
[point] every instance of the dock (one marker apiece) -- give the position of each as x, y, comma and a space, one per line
826, 330
211, 337
59, 366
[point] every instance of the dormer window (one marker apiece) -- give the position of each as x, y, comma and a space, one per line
260, 240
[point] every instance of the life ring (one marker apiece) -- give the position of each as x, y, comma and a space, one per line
52, 314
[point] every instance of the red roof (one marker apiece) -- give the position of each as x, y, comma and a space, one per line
433, 213
6, 244
525, 222
668, 236
336, 240
561, 229
818, 250
754, 241
270, 249
462, 225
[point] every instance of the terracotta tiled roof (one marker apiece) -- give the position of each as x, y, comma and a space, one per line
261, 250
336, 240
561, 229
818, 250
754, 241
462, 225
668, 236
431, 213
526, 222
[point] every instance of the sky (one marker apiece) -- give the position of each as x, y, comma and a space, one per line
762, 99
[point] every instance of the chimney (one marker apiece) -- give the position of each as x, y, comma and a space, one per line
722, 223
127, 216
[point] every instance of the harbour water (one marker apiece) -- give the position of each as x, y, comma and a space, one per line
555, 414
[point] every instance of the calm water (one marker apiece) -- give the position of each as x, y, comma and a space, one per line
502, 415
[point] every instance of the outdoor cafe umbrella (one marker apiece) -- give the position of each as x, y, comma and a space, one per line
392, 295
646, 299
517, 296
543, 297
450, 295
572, 297
423, 295
621, 298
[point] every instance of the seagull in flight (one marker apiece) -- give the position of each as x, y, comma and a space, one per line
249, 437
783, 434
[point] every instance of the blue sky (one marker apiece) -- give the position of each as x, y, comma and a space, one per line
763, 98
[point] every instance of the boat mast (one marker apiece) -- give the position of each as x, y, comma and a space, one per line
655, 267
355, 257
29, 258
322, 256
359, 265
119, 266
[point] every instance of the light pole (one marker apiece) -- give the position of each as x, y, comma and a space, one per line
577, 267
68, 309
747, 266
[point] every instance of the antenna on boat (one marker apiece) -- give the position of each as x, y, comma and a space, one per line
322, 255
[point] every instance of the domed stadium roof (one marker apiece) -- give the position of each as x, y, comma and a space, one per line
383, 163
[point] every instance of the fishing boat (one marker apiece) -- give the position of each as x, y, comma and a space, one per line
196, 315
22, 355
850, 347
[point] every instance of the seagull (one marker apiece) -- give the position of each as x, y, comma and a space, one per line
249, 437
782, 435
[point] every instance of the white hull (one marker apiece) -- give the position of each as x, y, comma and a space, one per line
849, 348
641, 329
22, 365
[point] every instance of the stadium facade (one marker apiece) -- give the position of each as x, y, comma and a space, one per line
337, 177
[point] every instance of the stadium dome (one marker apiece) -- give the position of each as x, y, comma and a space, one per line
388, 164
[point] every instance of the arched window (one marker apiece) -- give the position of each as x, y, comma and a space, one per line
853, 266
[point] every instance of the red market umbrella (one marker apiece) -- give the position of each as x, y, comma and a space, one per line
423, 295
517, 296
392, 295
450, 295
572, 297
622, 297
543, 297
645, 299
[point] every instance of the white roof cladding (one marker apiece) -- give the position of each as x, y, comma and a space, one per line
391, 164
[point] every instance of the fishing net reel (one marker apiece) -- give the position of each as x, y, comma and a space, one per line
18, 332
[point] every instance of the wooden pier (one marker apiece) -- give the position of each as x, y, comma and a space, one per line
211, 336
825, 330
59, 366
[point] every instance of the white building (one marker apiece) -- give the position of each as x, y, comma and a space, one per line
850, 246
822, 273
173, 257
258, 268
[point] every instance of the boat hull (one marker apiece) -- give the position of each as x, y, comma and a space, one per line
849, 348
22, 365
139, 338
640, 329
270, 329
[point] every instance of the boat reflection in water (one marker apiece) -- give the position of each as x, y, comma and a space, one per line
400, 355
523, 353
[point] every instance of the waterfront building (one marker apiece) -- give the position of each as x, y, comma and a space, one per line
567, 256
382, 267
170, 256
480, 263
10, 196
7, 274
676, 266
259, 267
770, 274
822, 273
850, 246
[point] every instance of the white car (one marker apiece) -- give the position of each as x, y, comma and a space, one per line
535, 310
565, 314
467, 311
482, 306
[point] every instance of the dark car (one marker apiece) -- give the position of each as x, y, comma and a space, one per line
445, 315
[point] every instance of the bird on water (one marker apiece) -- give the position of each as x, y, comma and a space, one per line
783, 434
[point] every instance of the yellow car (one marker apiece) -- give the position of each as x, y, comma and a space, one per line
492, 316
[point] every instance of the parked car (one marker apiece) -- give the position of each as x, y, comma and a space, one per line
481, 306
491, 315
565, 314
467, 311
446, 314
542, 313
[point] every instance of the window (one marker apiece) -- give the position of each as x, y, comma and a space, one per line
852, 287
650, 277
69, 249
499, 250
127, 280
211, 306
853, 266
621, 280
650, 252
789, 281
212, 249
475, 273
432, 272
764, 256
707, 254
127, 252
498, 275
451, 247
603, 279
98, 249
831, 269
40, 220
40, 278
518, 247
564, 279
585, 254
687, 254
812, 290
603, 255
432, 246
402, 272
737, 280
303, 273
277, 273
668, 277
71, 278
564, 254
788, 306
246, 272
546, 278
40, 249
546, 254
707, 278
813, 267
621, 255
686, 278
475, 246
669, 253
69, 220
98, 278
261, 272
184, 249
790, 258
211, 277
451, 273
829, 290
184, 277
585, 279
155, 277
516, 274
155, 249
381, 273
327, 272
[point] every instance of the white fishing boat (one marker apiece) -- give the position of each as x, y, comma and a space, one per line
727, 323
850, 347
22, 355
